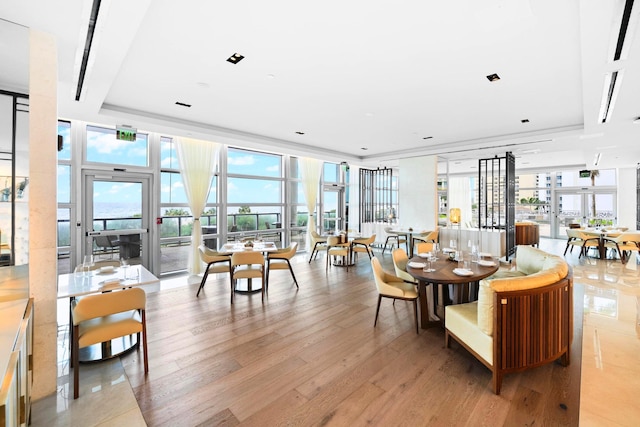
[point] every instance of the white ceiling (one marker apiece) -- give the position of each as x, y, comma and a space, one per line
371, 74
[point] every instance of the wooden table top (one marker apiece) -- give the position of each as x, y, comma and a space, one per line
444, 271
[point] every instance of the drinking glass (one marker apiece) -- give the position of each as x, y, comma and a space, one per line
428, 266
124, 263
86, 264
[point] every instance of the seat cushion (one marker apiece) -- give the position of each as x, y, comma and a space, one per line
462, 321
106, 328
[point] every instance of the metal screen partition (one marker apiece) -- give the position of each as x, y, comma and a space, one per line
496, 197
376, 201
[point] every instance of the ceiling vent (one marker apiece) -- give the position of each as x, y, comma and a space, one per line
610, 93
624, 29
235, 58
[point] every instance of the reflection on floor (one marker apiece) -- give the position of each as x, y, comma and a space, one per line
609, 383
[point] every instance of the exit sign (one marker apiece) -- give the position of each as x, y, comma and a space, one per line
126, 133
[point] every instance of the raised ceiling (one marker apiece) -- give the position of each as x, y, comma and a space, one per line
369, 82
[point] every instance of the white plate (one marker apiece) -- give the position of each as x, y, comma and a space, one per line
486, 263
106, 270
413, 264
424, 255
111, 284
447, 250
484, 254
462, 272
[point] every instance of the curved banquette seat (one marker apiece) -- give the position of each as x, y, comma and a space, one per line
523, 318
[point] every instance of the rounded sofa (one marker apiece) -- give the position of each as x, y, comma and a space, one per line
523, 317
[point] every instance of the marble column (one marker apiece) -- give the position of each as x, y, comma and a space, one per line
43, 122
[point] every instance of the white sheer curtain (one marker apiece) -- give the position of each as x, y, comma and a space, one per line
460, 197
197, 166
310, 170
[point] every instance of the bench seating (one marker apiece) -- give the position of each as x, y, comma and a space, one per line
522, 319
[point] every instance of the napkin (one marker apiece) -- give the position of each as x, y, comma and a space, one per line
462, 272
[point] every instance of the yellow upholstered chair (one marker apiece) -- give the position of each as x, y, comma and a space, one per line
624, 244
575, 237
217, 262
363, 245
390, 286
247, 265
337, 249
319, 244
427, 236
424, 247
281, 260
395, 238
102, 317
400, 260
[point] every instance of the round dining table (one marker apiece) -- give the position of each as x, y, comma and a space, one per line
444, 274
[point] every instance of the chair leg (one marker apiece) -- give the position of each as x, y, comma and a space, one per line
293, 275
204, 279
565, 249
415, 314
144, 341
266, 285
314, 250
377, 310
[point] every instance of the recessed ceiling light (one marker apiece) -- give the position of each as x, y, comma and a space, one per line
524, 121
299, 133
182, 104
235, 58
427, 137
364, 148
271, 76
369, 114
493, 77
636, 121
203, 84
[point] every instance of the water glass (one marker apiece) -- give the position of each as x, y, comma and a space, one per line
124, 263
86, 264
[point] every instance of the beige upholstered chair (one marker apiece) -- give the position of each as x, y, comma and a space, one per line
363, 245
390, 286
102, 317
427, 236
400, 260
395, 238
424, 247
217, 262
319, 244
624, 244
247, 265
281, 260
577, 238
335, 249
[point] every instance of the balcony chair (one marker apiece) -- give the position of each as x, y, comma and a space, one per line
363, 245
390, 286
102, 317
281, 260
396, 238
247, 265
217, 262
319, 244
107, 244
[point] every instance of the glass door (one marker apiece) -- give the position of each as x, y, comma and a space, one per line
584, 208
332, 208
116, 217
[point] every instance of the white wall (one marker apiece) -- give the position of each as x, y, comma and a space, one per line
627, 197
418, 195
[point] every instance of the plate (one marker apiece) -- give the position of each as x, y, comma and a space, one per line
447, 250
424, 255
106, 270
484, 254
413, 264
111, 284
462, 272
486, 263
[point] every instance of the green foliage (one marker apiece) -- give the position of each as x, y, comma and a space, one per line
244, 209
176, 212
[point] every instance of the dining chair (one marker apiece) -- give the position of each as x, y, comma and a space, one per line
247, 265
107, 244
102, 317
390, 286
335, 248
424, 247
426, 237
319, 244
217, 262
281, 260
624, 244
363, 244
399, 238
97, 265
400, 260
575, 237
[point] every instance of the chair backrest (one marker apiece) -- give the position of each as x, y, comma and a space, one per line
380, 275
400, 259
424, 247
574, 233
333, 240
103, 241
247, 258
100, 305
286, 253
209, 255
629, 236
98, 265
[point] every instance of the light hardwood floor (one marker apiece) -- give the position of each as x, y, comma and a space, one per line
312, 357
